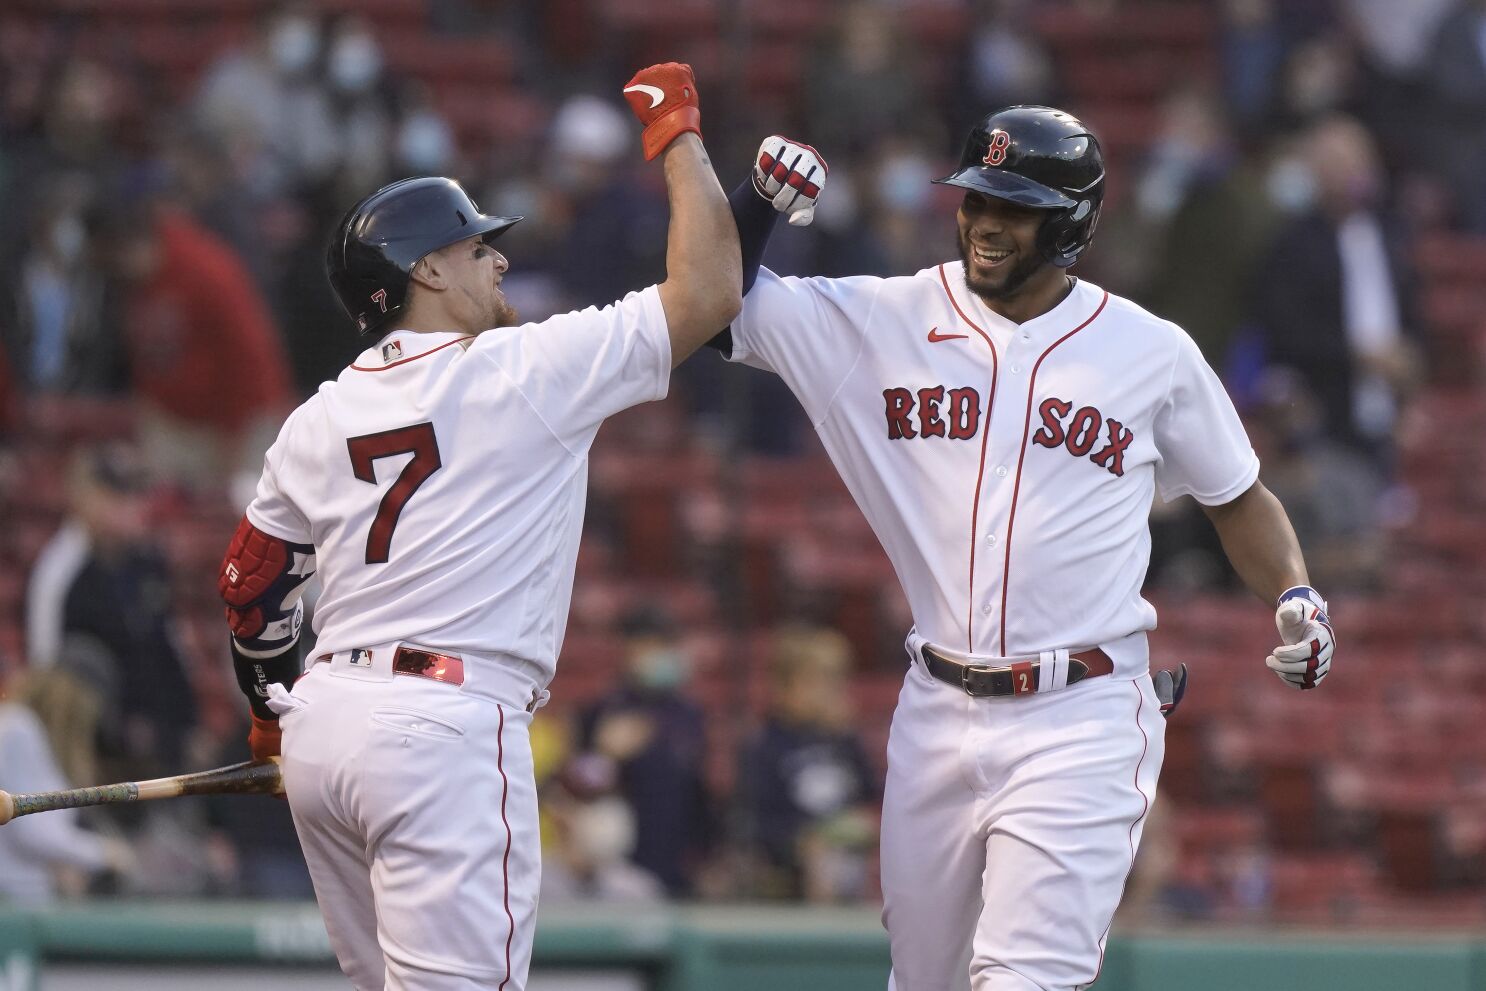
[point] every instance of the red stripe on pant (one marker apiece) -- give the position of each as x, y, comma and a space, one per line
500, 764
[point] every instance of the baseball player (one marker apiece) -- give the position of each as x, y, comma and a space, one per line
437, 487
1004, 426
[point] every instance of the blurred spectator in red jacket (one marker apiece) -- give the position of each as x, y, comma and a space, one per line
204, 355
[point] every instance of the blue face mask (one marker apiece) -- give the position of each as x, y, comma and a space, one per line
293, 45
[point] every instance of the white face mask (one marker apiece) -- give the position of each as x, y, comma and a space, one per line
355, 63
293, 45
424, 144
1291, 185
67, 237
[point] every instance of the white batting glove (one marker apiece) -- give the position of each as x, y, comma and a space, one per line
791, 175
1309, 641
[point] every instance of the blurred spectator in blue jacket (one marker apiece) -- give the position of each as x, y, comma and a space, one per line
805, 778
657, 739
51, 312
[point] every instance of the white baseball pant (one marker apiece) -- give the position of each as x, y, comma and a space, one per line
1009, 828
416, 807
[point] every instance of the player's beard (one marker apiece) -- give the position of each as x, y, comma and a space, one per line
1009, 285
505, 314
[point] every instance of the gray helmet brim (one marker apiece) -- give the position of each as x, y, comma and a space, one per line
1008, 186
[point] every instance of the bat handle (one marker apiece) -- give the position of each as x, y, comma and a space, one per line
7, 807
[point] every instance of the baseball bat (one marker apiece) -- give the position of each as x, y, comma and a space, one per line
248, 778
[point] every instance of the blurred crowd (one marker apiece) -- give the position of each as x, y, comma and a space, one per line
165, 241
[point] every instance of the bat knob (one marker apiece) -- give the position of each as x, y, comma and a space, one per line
7, 807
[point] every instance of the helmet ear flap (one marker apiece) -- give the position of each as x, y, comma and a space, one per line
1066, 234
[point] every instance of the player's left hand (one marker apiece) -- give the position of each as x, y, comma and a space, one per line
1305, 657
790, 174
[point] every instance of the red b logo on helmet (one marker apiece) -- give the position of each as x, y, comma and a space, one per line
996, 153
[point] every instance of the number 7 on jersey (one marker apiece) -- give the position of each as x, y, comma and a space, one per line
417, 440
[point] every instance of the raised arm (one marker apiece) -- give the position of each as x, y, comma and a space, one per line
787, 177
703, 286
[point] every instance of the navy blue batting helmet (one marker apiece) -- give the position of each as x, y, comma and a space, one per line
1042, 158
379, 241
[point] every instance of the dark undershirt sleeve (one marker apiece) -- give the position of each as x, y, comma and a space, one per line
755, 217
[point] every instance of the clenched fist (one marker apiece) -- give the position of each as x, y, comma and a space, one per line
791, 175
1305, 658
664, 97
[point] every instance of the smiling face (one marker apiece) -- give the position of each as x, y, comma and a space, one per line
998, 244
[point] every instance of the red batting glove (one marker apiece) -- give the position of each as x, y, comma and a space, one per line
664, 97
264, 738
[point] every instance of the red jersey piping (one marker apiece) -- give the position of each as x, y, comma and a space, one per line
404, 361
985, 433
1021, 457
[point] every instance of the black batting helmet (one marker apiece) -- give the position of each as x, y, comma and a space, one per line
379, 241
1042, 158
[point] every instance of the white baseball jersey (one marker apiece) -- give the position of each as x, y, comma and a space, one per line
1008, 470
442, 478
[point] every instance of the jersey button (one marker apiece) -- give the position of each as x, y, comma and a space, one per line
1015, 369
991, 539
1000, 471
987, 609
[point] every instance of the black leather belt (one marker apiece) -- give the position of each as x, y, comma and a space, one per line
1018, 678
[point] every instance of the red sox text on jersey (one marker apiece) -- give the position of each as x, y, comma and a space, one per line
936, 411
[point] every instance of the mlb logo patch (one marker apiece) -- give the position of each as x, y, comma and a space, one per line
391, 351
360, 657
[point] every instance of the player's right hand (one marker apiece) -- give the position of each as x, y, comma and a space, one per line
1305, 658
790, 174
265, 738
664, 98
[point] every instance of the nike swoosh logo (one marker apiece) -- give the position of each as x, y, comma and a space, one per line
655, 93
935, 337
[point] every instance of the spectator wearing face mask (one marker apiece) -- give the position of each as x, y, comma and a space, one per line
656, 739
264, 103
51, 313
1332, 298
360, 102
809, 788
